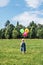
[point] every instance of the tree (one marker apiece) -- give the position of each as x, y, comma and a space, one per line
0, 34
7, 23
33, 29
14, 33
18, 27
39, 26
2, 31
32, 24
17, 23
32, 32
8, 32
40, 33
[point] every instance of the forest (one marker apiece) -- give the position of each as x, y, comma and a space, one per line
11, 31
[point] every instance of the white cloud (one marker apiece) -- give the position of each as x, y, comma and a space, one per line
26, 17
33, 3
4, 3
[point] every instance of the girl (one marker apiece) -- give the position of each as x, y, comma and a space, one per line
23, 46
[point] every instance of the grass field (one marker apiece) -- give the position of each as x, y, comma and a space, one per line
10, 52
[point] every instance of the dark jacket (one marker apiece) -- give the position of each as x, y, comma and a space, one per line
23, 47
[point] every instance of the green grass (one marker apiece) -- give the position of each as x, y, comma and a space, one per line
10, 52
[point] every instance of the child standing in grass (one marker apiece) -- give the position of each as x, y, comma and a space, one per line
23, 46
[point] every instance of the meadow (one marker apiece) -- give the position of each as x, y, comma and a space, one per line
10, 52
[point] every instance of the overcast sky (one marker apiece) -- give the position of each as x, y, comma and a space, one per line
23, 11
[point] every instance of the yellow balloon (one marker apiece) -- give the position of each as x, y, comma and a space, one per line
27, 30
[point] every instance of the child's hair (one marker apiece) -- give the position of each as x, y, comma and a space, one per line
22, 39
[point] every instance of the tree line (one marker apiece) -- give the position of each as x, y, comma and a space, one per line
11, 31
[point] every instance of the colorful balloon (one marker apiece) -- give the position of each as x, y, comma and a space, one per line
22, 31
25, 34
27, 30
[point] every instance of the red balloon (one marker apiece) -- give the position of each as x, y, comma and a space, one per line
25, 34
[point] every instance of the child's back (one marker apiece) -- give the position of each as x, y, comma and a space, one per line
23, 46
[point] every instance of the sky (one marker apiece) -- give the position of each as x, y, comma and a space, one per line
24, 11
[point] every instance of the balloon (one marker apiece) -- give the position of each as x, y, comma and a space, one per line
27, 30
25, 34
22, 30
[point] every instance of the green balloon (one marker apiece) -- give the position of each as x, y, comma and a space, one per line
22, 30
